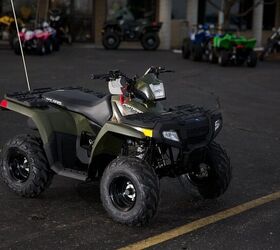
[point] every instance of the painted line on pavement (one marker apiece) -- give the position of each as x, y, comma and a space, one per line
179, 231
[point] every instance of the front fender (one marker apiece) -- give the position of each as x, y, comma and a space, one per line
110, 138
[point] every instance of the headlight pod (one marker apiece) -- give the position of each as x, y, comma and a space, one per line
171, 135
158, 91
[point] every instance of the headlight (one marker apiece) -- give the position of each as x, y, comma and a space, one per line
171, 135
158, 90
218, 124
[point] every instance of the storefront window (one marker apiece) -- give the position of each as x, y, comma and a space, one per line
179, 8
80, 17
26, 9
131, 9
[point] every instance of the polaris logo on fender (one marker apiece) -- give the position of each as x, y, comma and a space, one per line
54, 101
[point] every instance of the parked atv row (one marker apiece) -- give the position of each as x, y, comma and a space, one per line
45, 38
227, 49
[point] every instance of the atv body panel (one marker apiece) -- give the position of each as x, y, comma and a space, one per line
71, 139
126, 140
228, 41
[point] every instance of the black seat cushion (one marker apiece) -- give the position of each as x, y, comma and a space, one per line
94, 108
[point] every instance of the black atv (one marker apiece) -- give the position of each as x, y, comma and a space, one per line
59, 22
124, 27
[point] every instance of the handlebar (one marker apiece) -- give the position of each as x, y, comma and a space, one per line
115, 74
158, 70
129, 87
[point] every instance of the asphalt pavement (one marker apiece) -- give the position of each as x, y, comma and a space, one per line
69, 215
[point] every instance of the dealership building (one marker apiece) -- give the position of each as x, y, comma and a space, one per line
86, 17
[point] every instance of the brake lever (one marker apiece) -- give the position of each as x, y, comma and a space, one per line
168, 71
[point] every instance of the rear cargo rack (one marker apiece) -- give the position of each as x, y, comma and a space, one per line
34, 99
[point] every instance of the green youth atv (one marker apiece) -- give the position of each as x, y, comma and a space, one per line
230, 49
125, 140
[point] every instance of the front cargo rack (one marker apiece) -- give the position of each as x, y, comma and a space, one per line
179, 114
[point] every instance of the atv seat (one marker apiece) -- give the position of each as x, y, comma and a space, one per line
94, 108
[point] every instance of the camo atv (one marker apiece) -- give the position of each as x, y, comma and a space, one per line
125, 140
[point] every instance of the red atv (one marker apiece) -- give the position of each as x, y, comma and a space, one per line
37, 41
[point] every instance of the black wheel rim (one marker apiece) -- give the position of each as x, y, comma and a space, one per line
123, 193
151, 41
19, 168
200, 176
111, 40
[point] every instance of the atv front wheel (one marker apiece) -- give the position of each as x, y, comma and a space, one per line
24, 167
211, 177
41, 48
111, 40
130, 191
150, 41
17, 47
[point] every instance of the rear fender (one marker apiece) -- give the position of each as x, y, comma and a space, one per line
42, 123
154, 27
48, 121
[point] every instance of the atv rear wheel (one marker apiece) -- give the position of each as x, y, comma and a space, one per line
111, 40
196, 52
24, 167
150, 41
56, 44
41, 48
130, 191
252, 59
223, 58
49, 46
213, 176
212, 57
186, 48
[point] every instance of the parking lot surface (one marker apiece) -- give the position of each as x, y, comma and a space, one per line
70, 215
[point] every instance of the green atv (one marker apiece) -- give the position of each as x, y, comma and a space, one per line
230, 49
125, 140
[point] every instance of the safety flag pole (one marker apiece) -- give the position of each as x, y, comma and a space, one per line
20, 45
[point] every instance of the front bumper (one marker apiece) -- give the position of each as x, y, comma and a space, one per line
194, 126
